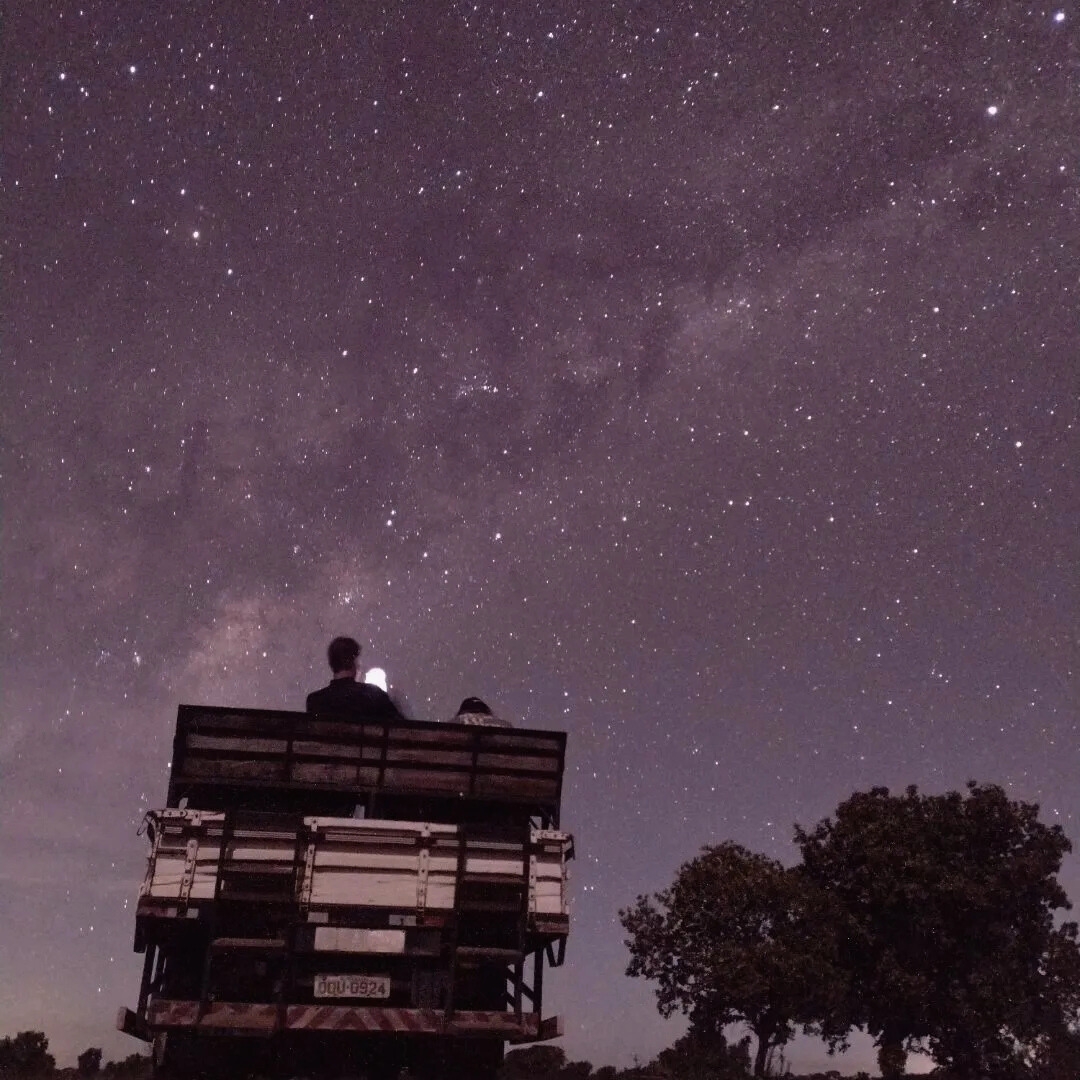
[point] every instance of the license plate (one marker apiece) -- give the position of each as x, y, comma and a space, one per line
352, 986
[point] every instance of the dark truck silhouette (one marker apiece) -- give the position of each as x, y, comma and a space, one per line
286, 934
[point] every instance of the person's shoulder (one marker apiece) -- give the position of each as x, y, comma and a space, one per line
331, 698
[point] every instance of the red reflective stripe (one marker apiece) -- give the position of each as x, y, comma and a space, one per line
260, 1016
172, 1013
360, 1018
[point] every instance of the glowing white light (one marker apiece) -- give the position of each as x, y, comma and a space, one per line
1059, 16
992, 110
376, 676
195, 234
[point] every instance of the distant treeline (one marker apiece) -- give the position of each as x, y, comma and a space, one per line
26, 1057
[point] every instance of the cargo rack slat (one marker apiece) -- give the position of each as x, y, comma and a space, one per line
222, 755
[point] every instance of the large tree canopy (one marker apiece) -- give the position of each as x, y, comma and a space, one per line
89, 1061
705, 1057
948, 905
25, 1055
736, 938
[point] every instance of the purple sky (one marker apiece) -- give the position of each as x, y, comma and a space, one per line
701, 379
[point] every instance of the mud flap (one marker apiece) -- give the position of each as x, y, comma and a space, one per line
131, 1024
550, 1028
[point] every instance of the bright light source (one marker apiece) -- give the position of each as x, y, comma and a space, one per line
376, 676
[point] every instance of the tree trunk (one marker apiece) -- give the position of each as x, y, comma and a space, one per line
761, 1058
892, 1057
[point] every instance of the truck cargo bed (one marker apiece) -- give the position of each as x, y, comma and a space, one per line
328, 867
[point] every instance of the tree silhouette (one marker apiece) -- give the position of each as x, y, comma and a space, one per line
706, 1057
737, 938
89, 1061
25, 1055
134, 1067
542, 1062
947, 905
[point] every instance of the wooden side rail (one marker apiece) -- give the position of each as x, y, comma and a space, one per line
221, 752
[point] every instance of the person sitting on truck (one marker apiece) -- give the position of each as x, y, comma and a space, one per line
477, 712
344, 696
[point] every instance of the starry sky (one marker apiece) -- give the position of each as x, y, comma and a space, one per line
698, 378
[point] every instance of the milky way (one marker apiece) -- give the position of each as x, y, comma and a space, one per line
702, 381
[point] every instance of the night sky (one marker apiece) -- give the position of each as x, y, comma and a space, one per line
701, 379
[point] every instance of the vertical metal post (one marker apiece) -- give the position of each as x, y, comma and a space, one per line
147, 978
528, 887
380, 781
538, 983
287, 760
455, 918
227, 829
